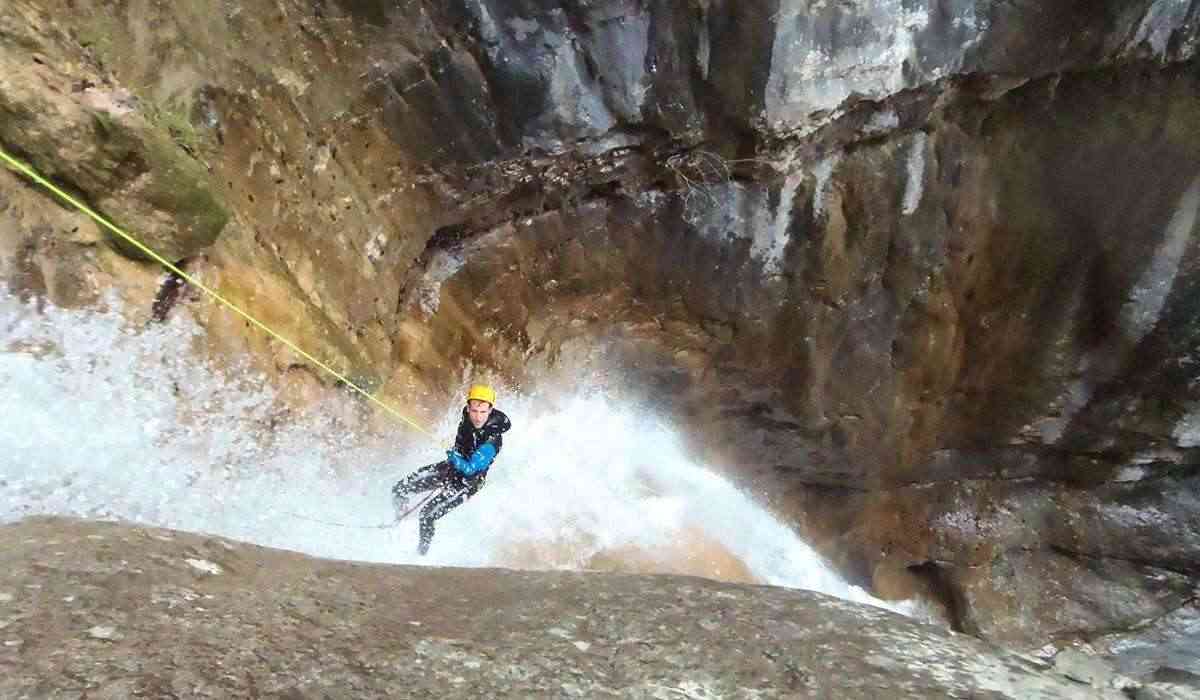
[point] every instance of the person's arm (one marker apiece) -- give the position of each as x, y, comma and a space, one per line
456, 460
479, 461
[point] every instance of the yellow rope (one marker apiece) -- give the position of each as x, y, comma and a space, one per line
33, 175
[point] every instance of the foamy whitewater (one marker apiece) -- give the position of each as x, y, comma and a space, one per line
102, 420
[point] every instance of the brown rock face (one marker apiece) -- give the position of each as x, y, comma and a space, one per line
923, 276
688, 553
101, 610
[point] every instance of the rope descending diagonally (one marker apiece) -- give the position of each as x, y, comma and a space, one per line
382, 526
29, 172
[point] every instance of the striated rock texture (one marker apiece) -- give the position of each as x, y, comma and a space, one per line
922, 273
101, 610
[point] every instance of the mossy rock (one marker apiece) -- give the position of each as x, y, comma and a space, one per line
169, 204
132, 172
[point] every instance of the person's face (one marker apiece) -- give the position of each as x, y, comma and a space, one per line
478, 412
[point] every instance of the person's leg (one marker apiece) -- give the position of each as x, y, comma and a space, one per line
450, 498
429, 477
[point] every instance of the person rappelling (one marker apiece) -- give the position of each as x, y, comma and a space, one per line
462, 473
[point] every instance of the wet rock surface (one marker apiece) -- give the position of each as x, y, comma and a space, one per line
99, 610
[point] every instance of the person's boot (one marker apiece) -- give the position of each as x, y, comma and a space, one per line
426, 537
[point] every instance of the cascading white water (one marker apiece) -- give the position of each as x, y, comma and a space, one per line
104, 421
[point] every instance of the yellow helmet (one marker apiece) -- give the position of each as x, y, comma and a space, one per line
482, 392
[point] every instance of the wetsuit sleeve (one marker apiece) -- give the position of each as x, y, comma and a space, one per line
459, 462
481, 460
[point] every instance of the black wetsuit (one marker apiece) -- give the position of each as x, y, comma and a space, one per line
456, 487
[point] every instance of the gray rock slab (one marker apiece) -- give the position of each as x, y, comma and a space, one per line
107, 610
